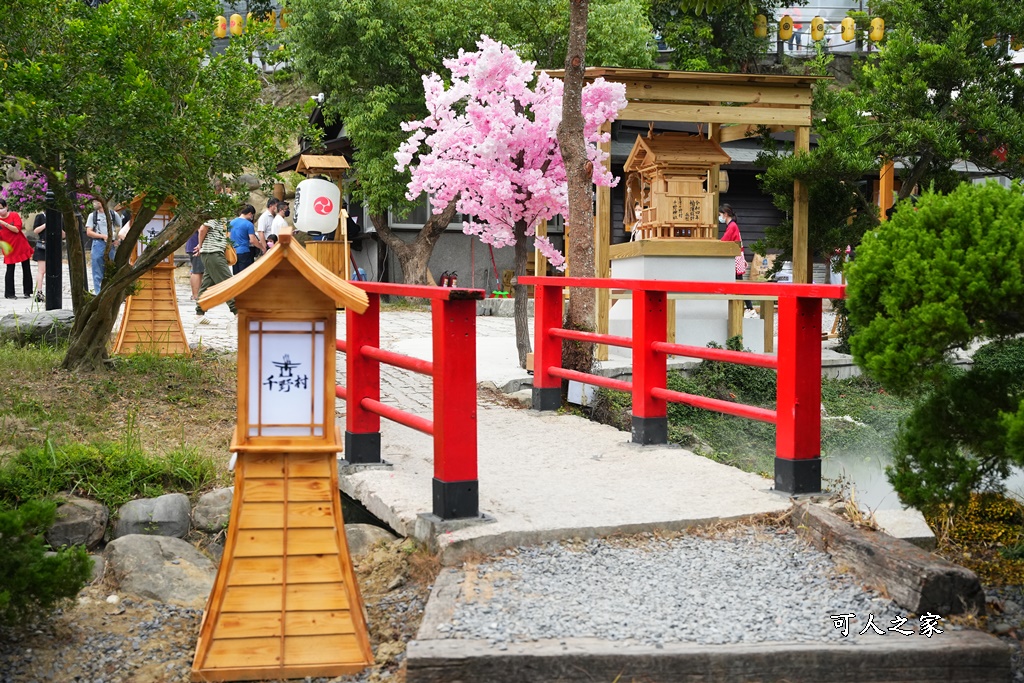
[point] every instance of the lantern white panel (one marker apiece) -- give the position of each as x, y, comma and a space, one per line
286, 378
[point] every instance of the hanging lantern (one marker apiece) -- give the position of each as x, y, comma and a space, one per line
877, 29
849, 28
1016, 43
817, 28
991, 41
785, 27
221, 30
281, 17
236, 24
760, 26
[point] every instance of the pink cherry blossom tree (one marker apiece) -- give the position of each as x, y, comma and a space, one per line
490, 143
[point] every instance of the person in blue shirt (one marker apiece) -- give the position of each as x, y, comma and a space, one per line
243, 237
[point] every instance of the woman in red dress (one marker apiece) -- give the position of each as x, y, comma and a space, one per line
16, 250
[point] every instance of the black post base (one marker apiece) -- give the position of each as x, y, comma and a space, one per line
648, 431
549, 398
362, 448
798, 476
456, 499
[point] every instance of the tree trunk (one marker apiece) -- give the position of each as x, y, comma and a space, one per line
521, 301
93, 326
414, 256
580, 224
95, 315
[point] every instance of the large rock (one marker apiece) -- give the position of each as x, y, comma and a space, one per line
213, 510
79, 522
160, 568
168, 515
362, 537
36, 326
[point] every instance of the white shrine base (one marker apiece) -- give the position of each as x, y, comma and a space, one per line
698, 321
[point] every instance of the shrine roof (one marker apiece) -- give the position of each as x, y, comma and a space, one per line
341, 292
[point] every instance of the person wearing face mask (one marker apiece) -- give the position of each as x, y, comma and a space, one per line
279, 220
732, 234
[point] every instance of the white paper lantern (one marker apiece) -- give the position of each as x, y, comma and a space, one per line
317, 206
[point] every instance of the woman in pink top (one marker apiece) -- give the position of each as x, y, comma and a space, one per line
732, 234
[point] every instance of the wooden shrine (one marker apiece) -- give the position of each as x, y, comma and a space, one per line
151, 321
332, 254
285, 603
669, 188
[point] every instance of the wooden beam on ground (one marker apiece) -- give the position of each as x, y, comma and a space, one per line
916, 579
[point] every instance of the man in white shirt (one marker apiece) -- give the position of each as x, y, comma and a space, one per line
265, 222
279, 219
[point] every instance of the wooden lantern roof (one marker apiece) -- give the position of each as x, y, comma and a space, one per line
675, 149
326, 164
341, 292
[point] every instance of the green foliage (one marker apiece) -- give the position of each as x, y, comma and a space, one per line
720, 39
112, 473
32, 583
938, 94
840, 207
933, 279
127, 99
369, 57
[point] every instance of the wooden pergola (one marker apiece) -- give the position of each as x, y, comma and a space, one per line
731, 107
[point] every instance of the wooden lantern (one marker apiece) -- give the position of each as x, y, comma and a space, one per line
670, 186
151, 321
332, 254
285, 603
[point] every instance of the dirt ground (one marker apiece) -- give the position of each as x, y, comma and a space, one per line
394, 580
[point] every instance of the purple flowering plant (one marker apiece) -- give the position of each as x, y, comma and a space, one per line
27, 195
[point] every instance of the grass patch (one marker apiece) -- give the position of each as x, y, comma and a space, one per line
173, 401
144, 426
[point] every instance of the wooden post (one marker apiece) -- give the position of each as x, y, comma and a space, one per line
602, 244
456, 487
886, 182
540, 262
801, 255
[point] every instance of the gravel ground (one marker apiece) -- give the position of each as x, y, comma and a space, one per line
748, 585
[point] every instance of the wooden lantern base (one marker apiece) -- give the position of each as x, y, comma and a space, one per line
151, 322
285, 603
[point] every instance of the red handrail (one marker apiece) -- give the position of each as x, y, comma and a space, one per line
453, 311
798, 363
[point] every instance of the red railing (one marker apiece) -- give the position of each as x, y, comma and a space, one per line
797, 415
453, 369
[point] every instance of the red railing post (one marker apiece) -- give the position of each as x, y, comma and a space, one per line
798, 405
456, 488
547, 349
650, 318
362, 379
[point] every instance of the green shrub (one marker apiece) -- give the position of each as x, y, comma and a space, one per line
932, 280
32, 583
